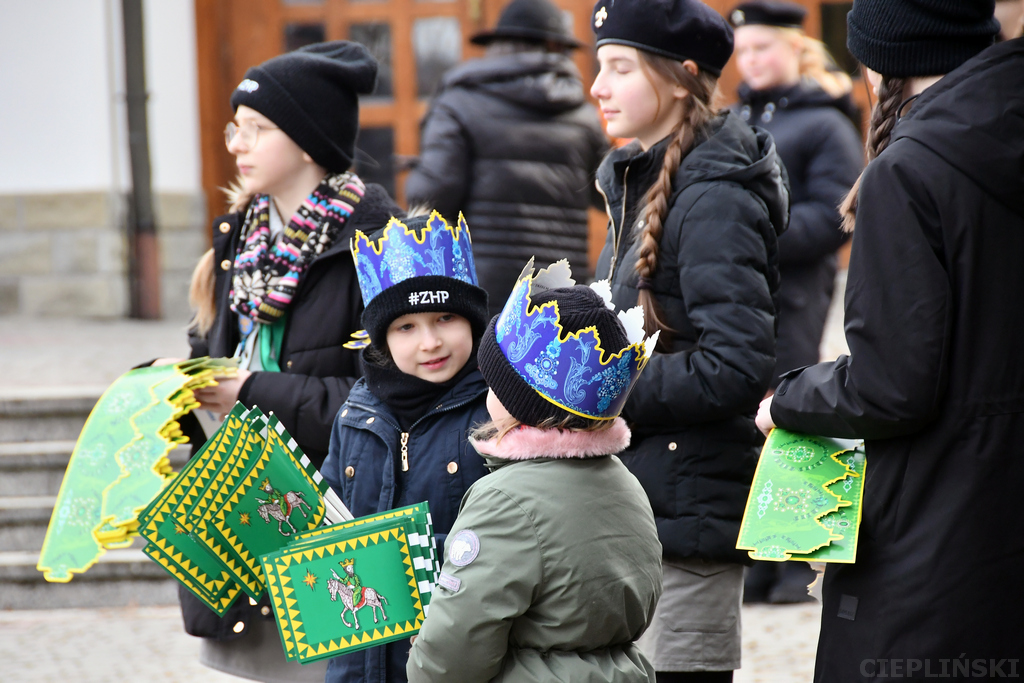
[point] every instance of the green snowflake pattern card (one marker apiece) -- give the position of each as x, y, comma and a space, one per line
792, 491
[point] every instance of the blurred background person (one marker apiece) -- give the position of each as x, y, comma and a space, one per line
1010, 15
792, 89
511, 141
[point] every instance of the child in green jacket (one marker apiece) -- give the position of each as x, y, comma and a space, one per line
553, 567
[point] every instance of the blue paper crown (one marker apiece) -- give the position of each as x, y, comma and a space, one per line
570, 368
403, 252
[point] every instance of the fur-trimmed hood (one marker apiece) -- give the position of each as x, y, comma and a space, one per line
530, 443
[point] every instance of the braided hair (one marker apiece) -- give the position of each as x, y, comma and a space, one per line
883, 120
698, 112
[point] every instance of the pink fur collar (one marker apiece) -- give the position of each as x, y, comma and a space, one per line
529, 443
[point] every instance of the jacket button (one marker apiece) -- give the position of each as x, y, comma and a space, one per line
344, 412
289, 365
370, 420
239, 627
225, 265
224, 227
350, 471
264, 610
453, 467
672, 446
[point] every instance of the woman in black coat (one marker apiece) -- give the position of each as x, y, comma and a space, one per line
934, 381
789, 91
278, 290
695, 206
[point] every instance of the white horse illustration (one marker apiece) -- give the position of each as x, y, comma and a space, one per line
293, 499
371, 599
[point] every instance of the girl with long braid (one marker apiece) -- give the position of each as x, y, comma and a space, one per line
695, 205
933, 382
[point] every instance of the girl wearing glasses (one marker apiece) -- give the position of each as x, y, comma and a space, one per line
278, 290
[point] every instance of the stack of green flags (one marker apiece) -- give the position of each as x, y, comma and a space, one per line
805, 500
119, 463
249, 513
246, 492
353, 585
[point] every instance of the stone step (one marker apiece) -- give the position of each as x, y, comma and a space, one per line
119, 578
30, 476
23, 522
36, 468
51, 413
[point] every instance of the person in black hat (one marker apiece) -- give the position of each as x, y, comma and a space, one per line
932, 382
792, 89
278, 290
511, 140
696, 202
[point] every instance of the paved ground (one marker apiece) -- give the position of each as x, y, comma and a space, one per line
147, 644
67, 352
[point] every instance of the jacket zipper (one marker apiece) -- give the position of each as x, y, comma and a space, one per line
616, 232
405, 435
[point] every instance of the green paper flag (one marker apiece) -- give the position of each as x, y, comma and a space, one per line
170, 544
804, 501
275, 498
346, 590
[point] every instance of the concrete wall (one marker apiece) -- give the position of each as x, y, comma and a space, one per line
64, 160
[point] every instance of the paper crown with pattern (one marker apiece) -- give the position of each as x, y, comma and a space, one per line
402, 253
570, 368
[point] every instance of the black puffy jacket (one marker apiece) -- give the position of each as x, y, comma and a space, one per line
511, 142
823, 155
694, 441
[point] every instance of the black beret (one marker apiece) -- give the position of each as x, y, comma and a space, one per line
677, 29
312, 94
768, 13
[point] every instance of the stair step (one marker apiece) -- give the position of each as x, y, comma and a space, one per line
23, 522
57, 413
37, 467
120, 577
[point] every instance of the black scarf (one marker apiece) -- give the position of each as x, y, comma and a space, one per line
408, 396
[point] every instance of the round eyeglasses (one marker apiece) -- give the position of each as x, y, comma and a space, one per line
249, 132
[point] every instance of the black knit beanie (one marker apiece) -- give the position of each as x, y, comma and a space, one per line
312, 94
578, 307
907, 38
423, 294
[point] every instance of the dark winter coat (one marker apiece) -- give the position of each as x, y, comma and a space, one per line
935, 384
363, 467
316, 372
694, 440
567, 574
511, 142
823, 155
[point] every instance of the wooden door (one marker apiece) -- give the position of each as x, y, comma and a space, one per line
416, 41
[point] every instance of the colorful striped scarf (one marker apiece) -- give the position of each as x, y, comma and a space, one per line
266, 276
